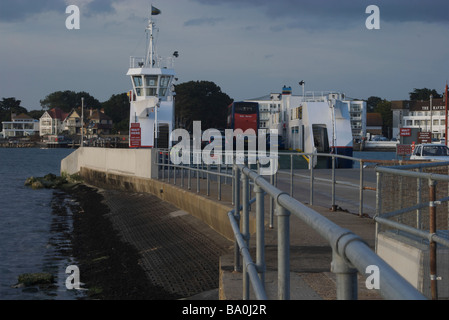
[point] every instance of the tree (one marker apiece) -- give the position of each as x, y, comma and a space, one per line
371, 103
424, 94
384, 108
9, 106
117, 107
201, 101
68, 100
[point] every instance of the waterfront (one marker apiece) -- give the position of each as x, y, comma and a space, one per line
35, 225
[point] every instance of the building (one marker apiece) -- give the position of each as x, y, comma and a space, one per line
52, 122
98, 123
268, 104
72, 123
374, 124
271, 103
21, 125
428, 116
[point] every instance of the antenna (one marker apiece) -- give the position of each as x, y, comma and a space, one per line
150, 51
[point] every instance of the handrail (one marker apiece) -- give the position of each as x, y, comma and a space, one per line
349, 251
382, 218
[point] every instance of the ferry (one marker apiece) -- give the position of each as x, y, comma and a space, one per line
152, 96
315, 123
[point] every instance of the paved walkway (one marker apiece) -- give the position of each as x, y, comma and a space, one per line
310, 254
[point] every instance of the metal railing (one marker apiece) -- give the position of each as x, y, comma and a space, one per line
222, 174
349, 252
408, 215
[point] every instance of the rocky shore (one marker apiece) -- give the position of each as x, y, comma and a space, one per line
135, 246
109, 267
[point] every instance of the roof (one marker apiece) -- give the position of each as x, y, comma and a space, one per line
98, 115
57, 113
22, 116
374, 120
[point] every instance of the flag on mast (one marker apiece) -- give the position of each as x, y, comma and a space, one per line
155, 11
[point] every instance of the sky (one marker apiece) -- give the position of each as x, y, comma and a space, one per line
249, 48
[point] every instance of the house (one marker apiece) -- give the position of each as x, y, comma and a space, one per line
72, 123
98, 123
374, 124
21, 125
52, 122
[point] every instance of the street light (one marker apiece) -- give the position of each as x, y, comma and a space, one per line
82, 122
431, 120
302, 83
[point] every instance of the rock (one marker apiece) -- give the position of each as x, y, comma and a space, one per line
31, 279
37, 185
49, 181
50, 177
29, 181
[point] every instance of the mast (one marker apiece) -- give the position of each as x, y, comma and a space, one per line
150, 51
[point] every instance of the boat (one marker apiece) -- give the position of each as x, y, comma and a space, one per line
152, 96
315, 123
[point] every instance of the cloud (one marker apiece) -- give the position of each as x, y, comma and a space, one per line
319, 14
18, 10
202, 22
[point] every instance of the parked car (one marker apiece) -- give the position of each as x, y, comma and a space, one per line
431, 152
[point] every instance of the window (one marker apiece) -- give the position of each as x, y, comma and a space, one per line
165, 81
138, 84
151, 85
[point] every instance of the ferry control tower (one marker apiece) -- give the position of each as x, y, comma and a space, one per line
152, 97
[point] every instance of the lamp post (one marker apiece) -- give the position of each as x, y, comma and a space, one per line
302, 83
431, 120
82, 122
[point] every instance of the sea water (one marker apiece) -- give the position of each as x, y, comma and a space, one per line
35, 225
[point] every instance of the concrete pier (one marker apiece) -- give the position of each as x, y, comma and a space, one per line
132, 171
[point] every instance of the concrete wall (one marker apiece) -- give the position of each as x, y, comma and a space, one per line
134, 162
410, 258
131, 170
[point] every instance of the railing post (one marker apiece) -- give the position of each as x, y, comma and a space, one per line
260, 233
283, 218
189, 178
334, 206
198, 178
272, 204
311, 178
291, 175
432, 244
361, 189
219, 181
236, 215
245, 233
346, 278
207, 180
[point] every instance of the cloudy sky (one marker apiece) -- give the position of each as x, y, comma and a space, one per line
249, 48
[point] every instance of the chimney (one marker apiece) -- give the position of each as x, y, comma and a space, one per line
90, 112
102, 110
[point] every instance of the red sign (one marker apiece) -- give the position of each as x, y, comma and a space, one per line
406, 132
135, 135
424, 137
403, 149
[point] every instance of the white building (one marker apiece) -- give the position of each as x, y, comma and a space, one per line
52, 122
418, 114
270, 104
20, 126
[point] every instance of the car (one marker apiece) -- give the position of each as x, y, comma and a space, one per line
430, 152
